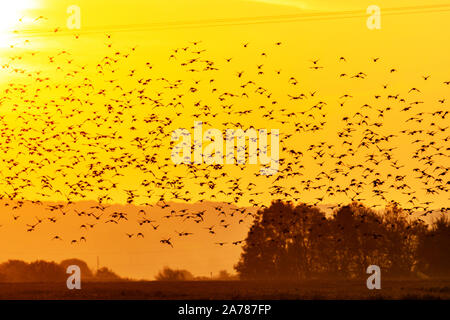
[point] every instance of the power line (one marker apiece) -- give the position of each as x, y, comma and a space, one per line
207, 23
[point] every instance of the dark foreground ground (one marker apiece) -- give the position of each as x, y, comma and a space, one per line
315, 290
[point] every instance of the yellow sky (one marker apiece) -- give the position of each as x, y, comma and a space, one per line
416, 44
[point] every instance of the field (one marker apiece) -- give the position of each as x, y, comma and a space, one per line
230, 290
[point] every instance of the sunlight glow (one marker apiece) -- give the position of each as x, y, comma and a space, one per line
11, 15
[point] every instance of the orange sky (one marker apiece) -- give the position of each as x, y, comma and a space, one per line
415, 44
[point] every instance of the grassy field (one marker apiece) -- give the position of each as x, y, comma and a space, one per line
226, 290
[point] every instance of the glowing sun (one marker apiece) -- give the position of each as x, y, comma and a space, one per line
11, 15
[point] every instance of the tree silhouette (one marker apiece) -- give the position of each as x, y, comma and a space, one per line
283, 242
287, 242
168, 274
14, 271
433, 250
44, 271
224, 275
38, 271
86, 273
105, 274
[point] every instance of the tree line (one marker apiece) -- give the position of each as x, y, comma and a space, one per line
169, 274
16, 271
302, 242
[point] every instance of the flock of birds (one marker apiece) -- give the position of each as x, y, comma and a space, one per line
71, 131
